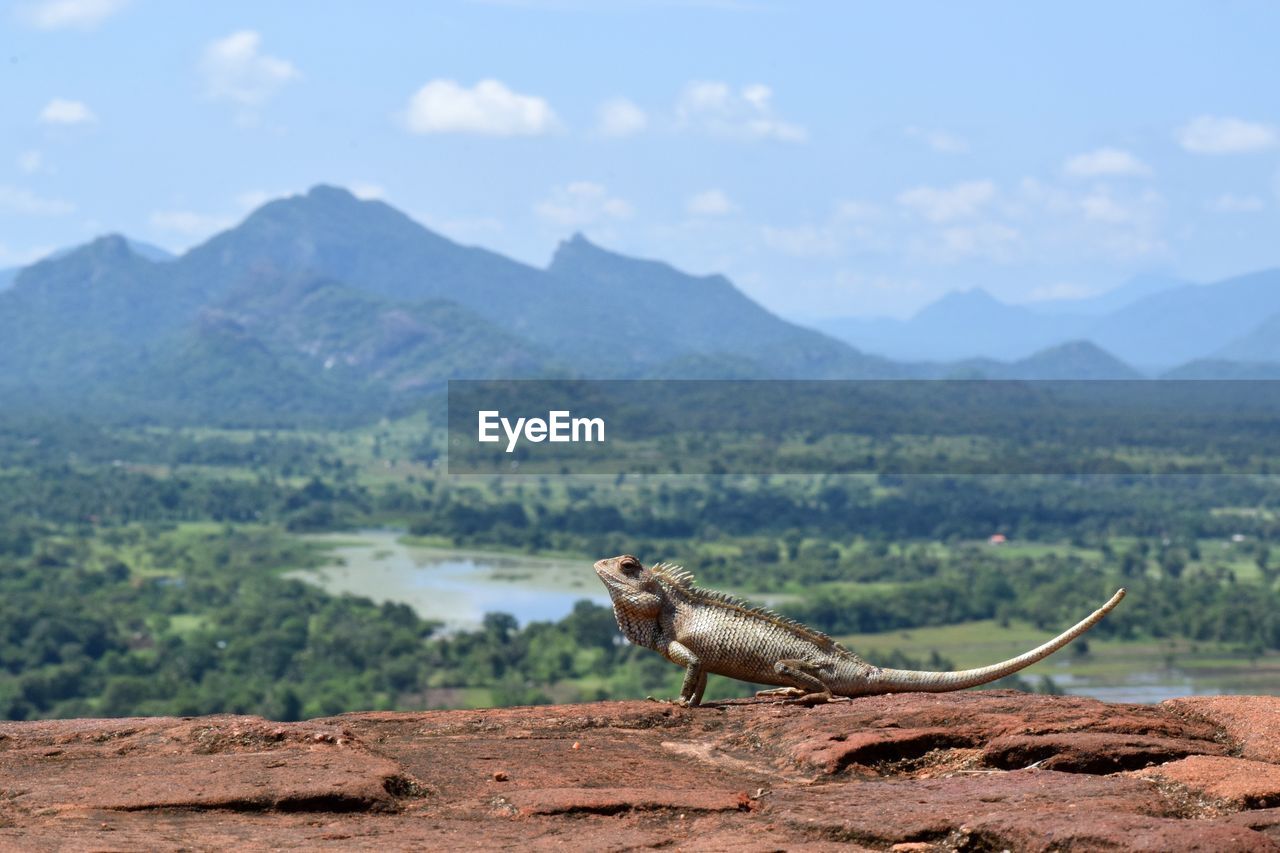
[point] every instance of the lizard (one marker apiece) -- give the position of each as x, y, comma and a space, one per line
661, 608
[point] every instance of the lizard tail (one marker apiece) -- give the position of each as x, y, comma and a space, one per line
907, 681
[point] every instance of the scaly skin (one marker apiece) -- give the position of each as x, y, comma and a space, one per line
703, 631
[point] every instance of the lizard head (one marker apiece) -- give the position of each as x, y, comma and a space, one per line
635, 595
623, 575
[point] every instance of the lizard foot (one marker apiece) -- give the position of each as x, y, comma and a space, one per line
781, 691
811, 699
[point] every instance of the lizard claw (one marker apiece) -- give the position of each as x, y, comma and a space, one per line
811, 699
780, 691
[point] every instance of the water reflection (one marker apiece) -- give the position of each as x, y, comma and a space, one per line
1142, 688
454, 587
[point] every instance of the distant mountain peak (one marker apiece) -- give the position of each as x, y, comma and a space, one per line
325, 229
576, 247
116, 246
109, 250
965, 306
322, 200
578, 257
331, 192
109, 245
319, 197
101, 251
971, 295
1081, 346
1075, 359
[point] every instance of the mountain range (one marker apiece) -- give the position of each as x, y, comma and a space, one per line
323, 306
325, 303
146, 250
1153, 323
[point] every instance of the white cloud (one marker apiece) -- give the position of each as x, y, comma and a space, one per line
1036, 197
366, 191
705, 96
1101, 206
714, 107
21, 258
189, 223
489, 108
620, 117
851, 225
803, 241
596, 5
1127, 245
871, 283
64, 111
1224, 135
945, 204
939, 140
850, 210
235, 69
253, 199
463, 229
27, 203
847, 292
1125, 226
1105, 161
31, 161
1060, 290
990, 240
61, 14
1231, 203
709, 203
581, 203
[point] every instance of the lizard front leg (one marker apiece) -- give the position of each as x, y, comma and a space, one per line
695, 677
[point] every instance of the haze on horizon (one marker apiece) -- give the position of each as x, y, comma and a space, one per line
832, 160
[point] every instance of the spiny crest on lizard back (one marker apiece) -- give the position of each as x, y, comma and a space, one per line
681, 580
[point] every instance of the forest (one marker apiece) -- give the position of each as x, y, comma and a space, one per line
143, 568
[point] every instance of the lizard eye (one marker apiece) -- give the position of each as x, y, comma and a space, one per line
630, 566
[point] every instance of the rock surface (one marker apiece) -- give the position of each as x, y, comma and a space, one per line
959, 771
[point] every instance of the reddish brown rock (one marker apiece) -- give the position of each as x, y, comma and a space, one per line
546, 801
1092, 752
1106, 832
240, 763
1262, 820
885, 811
1236, 782
918, 771
1250, 722
876, 747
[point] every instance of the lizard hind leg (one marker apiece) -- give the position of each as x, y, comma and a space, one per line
807, 689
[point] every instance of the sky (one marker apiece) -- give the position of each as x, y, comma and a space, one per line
833, 159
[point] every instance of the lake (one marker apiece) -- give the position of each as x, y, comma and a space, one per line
456, 587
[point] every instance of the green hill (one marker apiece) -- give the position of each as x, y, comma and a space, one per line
322, 305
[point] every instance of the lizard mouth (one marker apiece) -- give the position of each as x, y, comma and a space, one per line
612, 583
